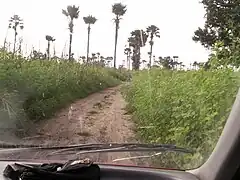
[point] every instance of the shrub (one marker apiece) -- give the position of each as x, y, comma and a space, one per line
42, 86
186, 108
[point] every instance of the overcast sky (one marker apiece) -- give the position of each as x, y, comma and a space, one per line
177, 20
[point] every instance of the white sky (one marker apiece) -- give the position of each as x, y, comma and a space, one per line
177, 20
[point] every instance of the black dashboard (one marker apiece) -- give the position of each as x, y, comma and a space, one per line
109, 172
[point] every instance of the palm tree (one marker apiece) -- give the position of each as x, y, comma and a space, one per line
102, 60
49, 39
83, 59
94, 57
72, 13
195, 65
181, 65
38, 55
20, 45
154, 58
175, 62
127, 51
137, 40
171, 62
144, 62
153, 31
119, 10
109, 60
123, 63
201, 64
89, 20
15, 22
98, 56
54, 50
166, 62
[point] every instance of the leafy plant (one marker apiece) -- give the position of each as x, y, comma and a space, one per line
186, 108
43, 87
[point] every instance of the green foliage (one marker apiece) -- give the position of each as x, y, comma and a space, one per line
120, 74
225, 56
222, 22
221, 32
137, 40
186, 108
42, 86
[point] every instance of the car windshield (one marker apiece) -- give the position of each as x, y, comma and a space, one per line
162, 75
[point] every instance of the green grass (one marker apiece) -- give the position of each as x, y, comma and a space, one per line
188, 109
35, 90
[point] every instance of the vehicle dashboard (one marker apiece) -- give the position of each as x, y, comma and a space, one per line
112, 172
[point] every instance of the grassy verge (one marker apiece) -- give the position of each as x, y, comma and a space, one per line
35, 90
188, 109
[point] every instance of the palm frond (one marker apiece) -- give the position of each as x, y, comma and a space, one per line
119, 9
138, 38
153, 31
73, 11
89, 19
65, 12
49, 38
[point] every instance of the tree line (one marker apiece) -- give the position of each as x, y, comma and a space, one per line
221, 33
138, 39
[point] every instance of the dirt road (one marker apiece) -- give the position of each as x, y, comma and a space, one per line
99, 118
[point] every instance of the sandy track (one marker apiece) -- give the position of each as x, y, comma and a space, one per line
99, 118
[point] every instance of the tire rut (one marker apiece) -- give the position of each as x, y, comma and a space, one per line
98, 118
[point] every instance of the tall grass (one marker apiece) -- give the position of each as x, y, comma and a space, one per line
41, 87
188, 109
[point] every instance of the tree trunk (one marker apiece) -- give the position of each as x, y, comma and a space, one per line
150, 57
70, 47
88, 42
128, 61
20, 48
136, 58
115, 48
15, 39
48, 50
54, 50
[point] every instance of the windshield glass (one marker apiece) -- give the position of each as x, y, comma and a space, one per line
82, 72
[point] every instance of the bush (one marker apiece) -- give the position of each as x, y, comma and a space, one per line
120, 74
42, 86
186, 108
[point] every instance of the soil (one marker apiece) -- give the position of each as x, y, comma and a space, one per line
98, 118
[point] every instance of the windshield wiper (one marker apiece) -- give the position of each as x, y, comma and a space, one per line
137, 157
95, 148
137, 147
